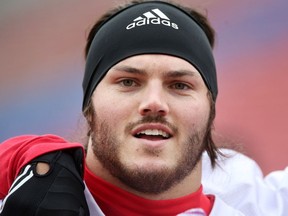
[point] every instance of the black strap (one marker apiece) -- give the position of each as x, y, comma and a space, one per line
60, 192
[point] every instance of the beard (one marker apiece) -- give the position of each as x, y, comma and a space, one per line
105, 146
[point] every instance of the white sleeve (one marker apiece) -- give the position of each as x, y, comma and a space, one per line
94, 209
240, 183
1, 201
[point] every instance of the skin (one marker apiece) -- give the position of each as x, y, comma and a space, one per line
149, 92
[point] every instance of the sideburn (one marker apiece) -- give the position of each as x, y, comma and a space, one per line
209, 144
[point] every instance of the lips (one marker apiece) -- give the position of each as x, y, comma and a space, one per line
152, 131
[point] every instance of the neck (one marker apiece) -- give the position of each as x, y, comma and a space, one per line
115, 201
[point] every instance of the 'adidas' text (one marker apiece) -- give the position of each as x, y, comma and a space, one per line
151, 18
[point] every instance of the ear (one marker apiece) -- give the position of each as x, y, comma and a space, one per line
89, 113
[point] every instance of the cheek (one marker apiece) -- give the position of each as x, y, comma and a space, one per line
194, 116
111, 109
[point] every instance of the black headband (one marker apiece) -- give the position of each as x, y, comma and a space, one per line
148, 28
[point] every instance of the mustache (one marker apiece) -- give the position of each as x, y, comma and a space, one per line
152, 119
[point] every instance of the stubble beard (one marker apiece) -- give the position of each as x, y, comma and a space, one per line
105, 147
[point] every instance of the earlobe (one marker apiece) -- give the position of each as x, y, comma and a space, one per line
89, 117
88, 114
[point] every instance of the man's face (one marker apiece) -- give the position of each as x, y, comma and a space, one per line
151, 114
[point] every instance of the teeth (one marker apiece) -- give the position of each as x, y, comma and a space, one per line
154, 132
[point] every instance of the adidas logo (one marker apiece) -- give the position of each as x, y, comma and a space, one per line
155, 17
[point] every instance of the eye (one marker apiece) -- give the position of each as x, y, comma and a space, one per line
128, 82
180, 86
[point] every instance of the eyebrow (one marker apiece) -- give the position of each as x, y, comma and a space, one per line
170, 74
129, 69
181, 73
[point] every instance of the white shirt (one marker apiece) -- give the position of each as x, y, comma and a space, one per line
240, 183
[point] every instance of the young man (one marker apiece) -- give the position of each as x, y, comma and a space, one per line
149, 99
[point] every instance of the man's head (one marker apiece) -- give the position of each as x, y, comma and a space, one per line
149, 93
151, 27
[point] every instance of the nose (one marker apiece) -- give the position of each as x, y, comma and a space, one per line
154, 100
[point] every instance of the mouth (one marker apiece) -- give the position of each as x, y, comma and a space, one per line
152, 134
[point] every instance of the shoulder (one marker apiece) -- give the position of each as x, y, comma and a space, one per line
221, 208
18, 151
239, 182
230, 168
34, 138
50, 142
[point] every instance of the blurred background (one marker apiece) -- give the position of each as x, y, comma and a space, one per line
41, 68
